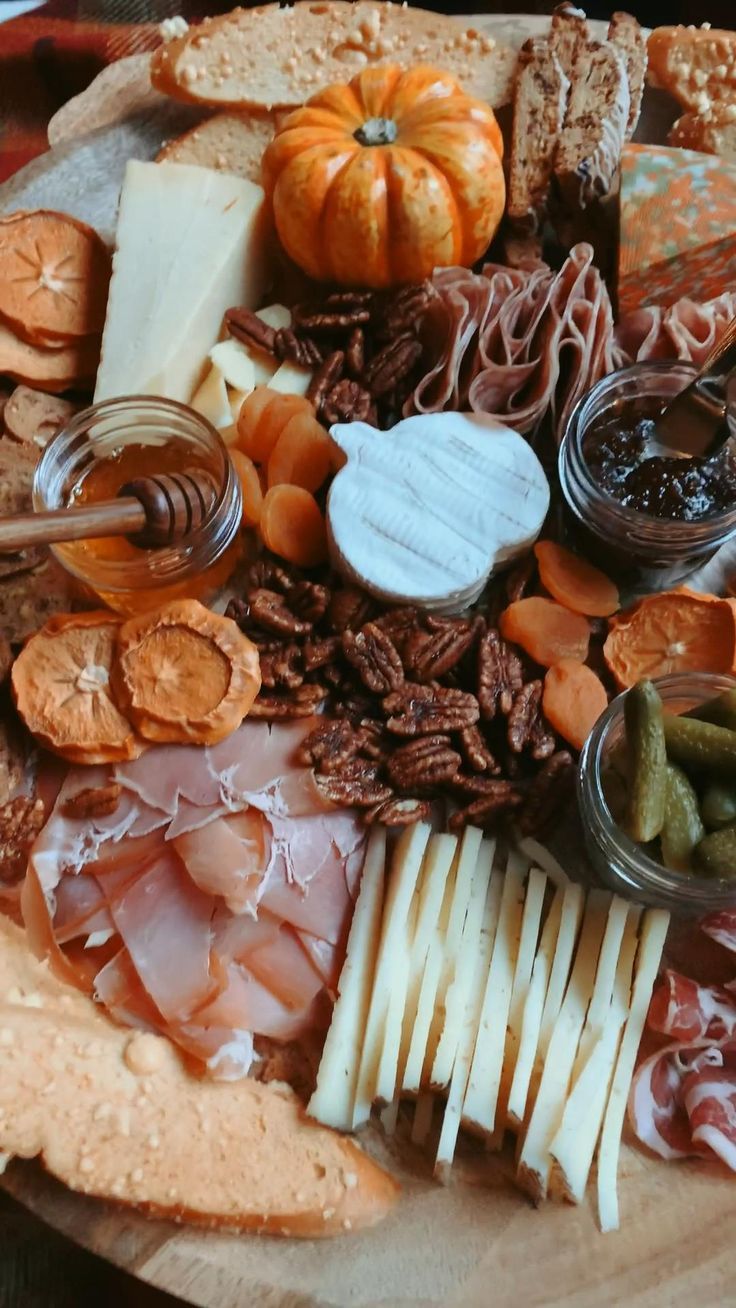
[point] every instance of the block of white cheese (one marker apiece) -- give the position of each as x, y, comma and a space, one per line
424, 513
189, 244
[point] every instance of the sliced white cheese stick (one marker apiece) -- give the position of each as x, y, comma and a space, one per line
481, 1096
574, 1144
469, 1026
572, 912
532, 1017
441, 852
405, 867
651, 944
535, 1160
605, 976
458, 991
334, 1094
530, 923
388, 1061
540, 856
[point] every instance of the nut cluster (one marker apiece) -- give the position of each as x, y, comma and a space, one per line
416, 708
364, 346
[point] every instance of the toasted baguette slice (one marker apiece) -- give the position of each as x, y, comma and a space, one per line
142, 1131
270, 57
589, 149
229, 142
568, 36
540, 102
625, 32
695, 64
711, 133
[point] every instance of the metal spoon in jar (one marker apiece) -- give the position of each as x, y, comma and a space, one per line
695, 423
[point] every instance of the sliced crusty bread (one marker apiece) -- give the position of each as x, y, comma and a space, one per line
711, 133
143, 1131
540, 101
229, 142
589, 149
626, 33
697, 65
271, 57
568, 35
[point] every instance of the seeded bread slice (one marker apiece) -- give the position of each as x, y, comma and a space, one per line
540, 102
625, 32
270, 57
569, 34
711, 133
229, 142
697, 65
589, 149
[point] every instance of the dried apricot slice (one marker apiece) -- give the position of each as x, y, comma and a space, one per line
293, 526
54, 274
61, 686
574, 582
678, 630
185, 674
546, 631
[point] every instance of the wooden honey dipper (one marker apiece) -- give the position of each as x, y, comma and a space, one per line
151, 511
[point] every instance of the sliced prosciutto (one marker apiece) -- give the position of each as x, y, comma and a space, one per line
686, 1011
213, 904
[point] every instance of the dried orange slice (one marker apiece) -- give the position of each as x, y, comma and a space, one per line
185, 674
674, 631
61, 686
54, 275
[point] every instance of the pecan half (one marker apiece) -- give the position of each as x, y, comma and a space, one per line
400, 624
542, 743
270, 610
330, 745
488, 808
405, 310
319, 651
340, 312
548, 795
430, 655
299, 703
282, 668
356, 786
475, 751
500, 675
416, 710
375, 658
424, 763
247, 327
348, 401
308, 600
300, 350
524, 716
266, 574
399, 812
349, 608
93, 801
325, 378
391, 365
355, 353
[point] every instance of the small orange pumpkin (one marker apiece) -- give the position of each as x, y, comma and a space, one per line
380, 181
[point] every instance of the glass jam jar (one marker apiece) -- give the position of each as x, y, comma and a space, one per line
643, 551
137, 436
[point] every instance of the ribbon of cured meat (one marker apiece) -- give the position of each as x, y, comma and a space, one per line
516, 343
685, 331
683, 1097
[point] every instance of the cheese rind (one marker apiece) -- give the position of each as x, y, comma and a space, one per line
189, 244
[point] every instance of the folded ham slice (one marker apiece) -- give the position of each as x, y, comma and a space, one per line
213, 904
685, 330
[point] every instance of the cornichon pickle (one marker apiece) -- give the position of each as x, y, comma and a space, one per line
719, 805
682, 828
721, 710
701, 745
715, 856
643, 719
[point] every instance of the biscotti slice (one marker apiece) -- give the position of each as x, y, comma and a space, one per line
711, 133
229, 142
271, 57
540, 102
569, 34
697, 65
625, 32
589, 149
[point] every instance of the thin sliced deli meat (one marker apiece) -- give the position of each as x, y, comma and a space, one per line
710, 1101
721, 927
228, 856
686, 1011
657, 1107
685, 330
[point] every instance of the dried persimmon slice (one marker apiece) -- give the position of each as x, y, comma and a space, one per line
61, 686
677, 630
54, 275
185, 674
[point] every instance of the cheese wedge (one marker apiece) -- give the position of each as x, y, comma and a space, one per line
334, 1094
235, 364
469, 1027
405, 867
574, 1144
458, 991
535, 1160
651, 944
532, 1016
529, 939
189, 244
212, 400
289, 379
484, 1081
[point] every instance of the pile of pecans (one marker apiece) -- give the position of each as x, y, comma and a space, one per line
415, 708
365, 348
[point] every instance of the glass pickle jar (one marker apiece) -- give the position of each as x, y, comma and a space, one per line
136, 436
618, 861
644, 553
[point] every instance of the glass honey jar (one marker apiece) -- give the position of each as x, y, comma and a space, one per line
112, 443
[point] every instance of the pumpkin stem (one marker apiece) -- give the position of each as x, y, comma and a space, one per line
377, 131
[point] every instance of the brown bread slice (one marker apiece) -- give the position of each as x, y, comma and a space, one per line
568, 36
589, 149
540, 102
229, 142
697, 65
712, 133
625, 32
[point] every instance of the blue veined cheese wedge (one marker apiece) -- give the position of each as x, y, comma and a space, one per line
189, 244
426, 512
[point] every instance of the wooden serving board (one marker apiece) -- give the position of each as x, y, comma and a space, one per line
478, 1242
